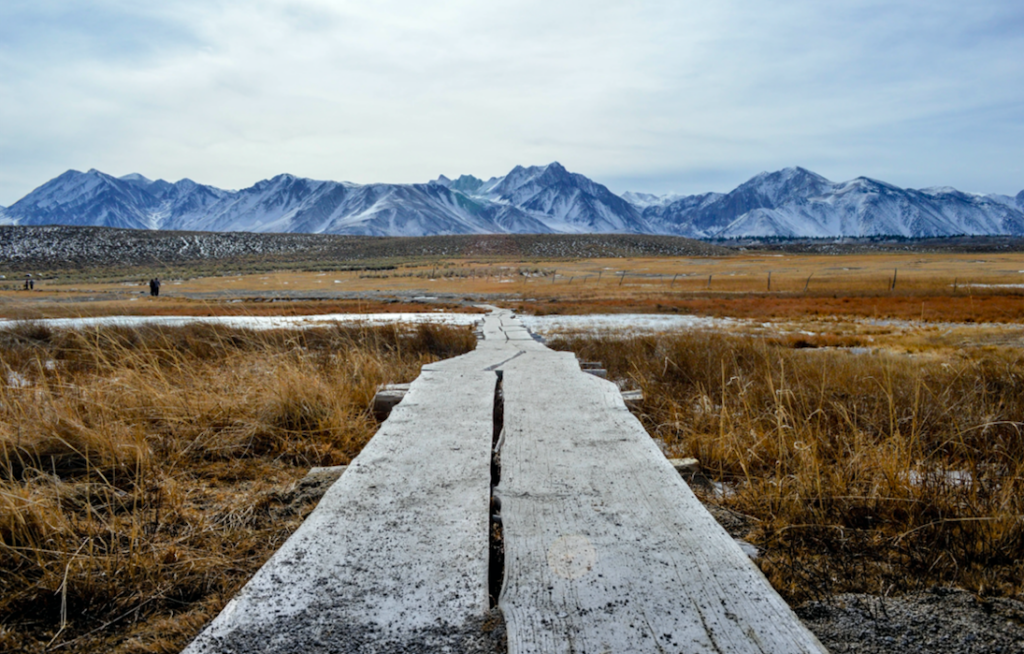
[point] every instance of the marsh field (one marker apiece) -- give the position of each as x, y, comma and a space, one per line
858, 418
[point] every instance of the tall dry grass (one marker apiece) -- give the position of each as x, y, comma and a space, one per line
144, 472
861, 472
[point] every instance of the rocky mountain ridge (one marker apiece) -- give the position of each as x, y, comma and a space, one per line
790, 203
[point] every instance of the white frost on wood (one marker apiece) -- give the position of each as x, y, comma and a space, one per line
606, 548
396, 553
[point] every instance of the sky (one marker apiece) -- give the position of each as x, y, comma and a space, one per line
679, 96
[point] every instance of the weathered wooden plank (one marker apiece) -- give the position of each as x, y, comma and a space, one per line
686, 467
606, 548
386, 398
395, 556
633, 399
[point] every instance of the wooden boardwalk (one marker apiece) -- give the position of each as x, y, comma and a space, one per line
605, 547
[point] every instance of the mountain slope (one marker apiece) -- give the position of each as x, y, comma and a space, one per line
100, 200
795, 202
529, 200
567, 202
91, 198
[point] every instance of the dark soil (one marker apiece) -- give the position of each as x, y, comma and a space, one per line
937, 621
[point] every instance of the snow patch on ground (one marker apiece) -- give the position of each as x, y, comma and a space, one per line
258, 322
15, 380
623, 323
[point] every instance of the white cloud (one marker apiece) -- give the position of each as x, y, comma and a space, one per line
656, 95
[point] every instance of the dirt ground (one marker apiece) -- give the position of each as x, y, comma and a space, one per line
917, 303
949, 287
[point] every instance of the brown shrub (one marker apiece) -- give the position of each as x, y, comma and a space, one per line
141, 470
864, 472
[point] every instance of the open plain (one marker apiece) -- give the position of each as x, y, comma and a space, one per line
857, 417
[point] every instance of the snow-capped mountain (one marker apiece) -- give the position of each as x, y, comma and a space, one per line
293, 204
644, 200
567, 202
793, 202
98, 199
549, 199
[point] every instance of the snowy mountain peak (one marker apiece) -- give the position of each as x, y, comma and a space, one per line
467, 184
792, 202
518, 177
280, 181
939, 190
644, 200
796, 202
567, 202
869, 183
785, 181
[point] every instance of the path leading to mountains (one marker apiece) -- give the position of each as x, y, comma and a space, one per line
605, 549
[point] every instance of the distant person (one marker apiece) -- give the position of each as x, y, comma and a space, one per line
152, 287
31, 284
156, 287
26, 283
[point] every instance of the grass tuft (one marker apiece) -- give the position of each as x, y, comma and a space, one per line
861, 472
143, 472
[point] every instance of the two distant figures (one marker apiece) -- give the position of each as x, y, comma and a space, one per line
30, 284
154, 287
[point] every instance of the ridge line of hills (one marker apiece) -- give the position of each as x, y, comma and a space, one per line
790, 203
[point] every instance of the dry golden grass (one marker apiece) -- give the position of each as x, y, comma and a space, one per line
930, 287
41, 307
144, 473
976, 308
927, 273
869, 473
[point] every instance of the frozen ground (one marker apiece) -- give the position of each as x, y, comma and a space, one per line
624, 323
259, 322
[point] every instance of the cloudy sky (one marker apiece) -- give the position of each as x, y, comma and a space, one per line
682, 95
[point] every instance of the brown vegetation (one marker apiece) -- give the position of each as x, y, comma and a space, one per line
976, 308
144, 474
927, 286
872, 473
46, 308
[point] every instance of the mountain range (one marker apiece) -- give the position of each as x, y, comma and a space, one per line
793, 202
